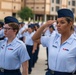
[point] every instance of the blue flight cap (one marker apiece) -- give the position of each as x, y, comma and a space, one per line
36, 24
65, 13
52, 27
21, 23
10, 19
1, 24
31, 26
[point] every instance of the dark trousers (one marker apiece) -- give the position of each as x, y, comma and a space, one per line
35, 56
47, 57
57, 73
29, 49
21, 38
2, 38
10, 73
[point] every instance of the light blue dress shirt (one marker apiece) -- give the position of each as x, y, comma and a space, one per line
28, 38
12, 55
1, 33
62, 57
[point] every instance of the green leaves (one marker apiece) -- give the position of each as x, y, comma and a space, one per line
25, 13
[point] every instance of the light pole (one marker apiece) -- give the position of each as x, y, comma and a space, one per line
34, 10
12, 7
45, 11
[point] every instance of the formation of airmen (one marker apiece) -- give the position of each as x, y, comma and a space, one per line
20, 41
24, 34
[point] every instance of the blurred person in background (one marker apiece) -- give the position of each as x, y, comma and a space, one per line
1, 31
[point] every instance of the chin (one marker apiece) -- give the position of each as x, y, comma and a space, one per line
5, 35
59, 32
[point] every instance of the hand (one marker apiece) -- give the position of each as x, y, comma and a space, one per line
50, 22
33, 51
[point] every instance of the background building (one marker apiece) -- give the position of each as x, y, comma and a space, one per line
43, 9
47, 9
9, 7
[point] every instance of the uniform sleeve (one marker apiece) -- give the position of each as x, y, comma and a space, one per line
1, 41
23, 54
44, 40
25, 34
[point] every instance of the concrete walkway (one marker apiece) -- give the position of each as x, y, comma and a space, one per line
40, 66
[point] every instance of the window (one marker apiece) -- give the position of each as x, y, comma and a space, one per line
69, 3
57, 8
37, 7
75, 19
42, 7
73, 3
14, 14
14, 7
73, 10
52, 8
32, 7
52, 1
58, 1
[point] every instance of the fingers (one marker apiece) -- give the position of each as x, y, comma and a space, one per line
50, 22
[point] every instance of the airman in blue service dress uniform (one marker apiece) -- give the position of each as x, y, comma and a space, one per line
1, 31
13, 52
36, 53
29, 44
61, 48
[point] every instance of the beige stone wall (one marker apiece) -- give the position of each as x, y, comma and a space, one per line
47, 9
64, 4
3, 14
7, 7
11, 0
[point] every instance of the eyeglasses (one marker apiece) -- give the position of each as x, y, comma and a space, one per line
5, 28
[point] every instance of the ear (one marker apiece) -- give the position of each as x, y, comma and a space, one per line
15, 31
71, 23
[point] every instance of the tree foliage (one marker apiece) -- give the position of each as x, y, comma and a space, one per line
25, 13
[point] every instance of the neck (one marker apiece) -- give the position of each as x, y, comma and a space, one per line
65, 36
10, 39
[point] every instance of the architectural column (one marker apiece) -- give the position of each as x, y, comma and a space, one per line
45, 18
34, 18
53, 17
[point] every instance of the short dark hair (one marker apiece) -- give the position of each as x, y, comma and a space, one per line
14, 26
69, 19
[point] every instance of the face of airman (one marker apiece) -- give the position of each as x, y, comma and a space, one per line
9, 30
63, 26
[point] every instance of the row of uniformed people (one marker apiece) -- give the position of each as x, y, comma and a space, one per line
1, 31
49, 31
31, 30
22, 27
8, 49
30, 45
28, 41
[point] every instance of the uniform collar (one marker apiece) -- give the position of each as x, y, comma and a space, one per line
69, 40
14, 41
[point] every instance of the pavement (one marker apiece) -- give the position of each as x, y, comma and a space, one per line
40, 66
